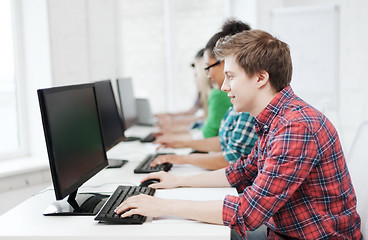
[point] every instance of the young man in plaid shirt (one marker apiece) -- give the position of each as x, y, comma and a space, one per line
295, 181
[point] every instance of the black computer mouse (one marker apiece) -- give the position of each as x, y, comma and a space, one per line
149, 182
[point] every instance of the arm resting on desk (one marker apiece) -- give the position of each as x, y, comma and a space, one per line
215, 178
204, 211
211, 144
211, 161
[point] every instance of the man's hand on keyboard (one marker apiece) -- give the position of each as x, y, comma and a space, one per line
143, 205
167, 180
169, 158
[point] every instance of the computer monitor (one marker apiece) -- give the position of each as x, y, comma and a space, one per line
128, 103
111, 122
129, 108
145, 115
75, 146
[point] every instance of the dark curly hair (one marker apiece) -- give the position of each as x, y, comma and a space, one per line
230, 27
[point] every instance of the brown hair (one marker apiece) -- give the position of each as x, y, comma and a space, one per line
257, 50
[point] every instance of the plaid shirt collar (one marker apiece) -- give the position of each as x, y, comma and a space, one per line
265, 117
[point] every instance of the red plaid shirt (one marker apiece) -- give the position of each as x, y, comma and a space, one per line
295, 180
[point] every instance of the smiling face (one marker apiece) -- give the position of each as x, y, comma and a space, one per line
241, 88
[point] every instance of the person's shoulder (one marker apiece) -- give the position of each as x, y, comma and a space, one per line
300, 112
299, 109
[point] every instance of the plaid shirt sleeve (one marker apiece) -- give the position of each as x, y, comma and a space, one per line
290, 155
241, 138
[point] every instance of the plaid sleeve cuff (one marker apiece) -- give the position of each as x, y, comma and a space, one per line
228, 173
229, 210
230, 213
233, 175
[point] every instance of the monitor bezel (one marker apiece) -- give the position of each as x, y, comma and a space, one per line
61, 193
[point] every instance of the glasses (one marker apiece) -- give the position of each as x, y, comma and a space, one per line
210, 66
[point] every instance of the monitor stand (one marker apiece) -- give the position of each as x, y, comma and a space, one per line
77, 204
116, 163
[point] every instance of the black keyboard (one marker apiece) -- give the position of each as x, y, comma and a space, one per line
107, 214
144, 166
148, 138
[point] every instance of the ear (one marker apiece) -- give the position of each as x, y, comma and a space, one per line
262, 78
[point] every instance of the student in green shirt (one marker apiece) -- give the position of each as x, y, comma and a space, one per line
218, 104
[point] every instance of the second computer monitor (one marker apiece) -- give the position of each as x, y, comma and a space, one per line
127, 101
111, 122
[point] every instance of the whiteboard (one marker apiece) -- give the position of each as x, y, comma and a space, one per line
312, 34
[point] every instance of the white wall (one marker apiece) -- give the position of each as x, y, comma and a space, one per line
63, 42
82, 40
36, 68
157, 47
94, 39
353, 60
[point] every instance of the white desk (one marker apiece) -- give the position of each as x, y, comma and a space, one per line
27, 222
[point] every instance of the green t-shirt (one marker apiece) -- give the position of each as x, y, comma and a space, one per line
218, 104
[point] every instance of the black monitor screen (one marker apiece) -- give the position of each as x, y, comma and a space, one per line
73, 136
112, 129
127, 101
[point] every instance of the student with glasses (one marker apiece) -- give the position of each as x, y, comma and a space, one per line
236, 134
